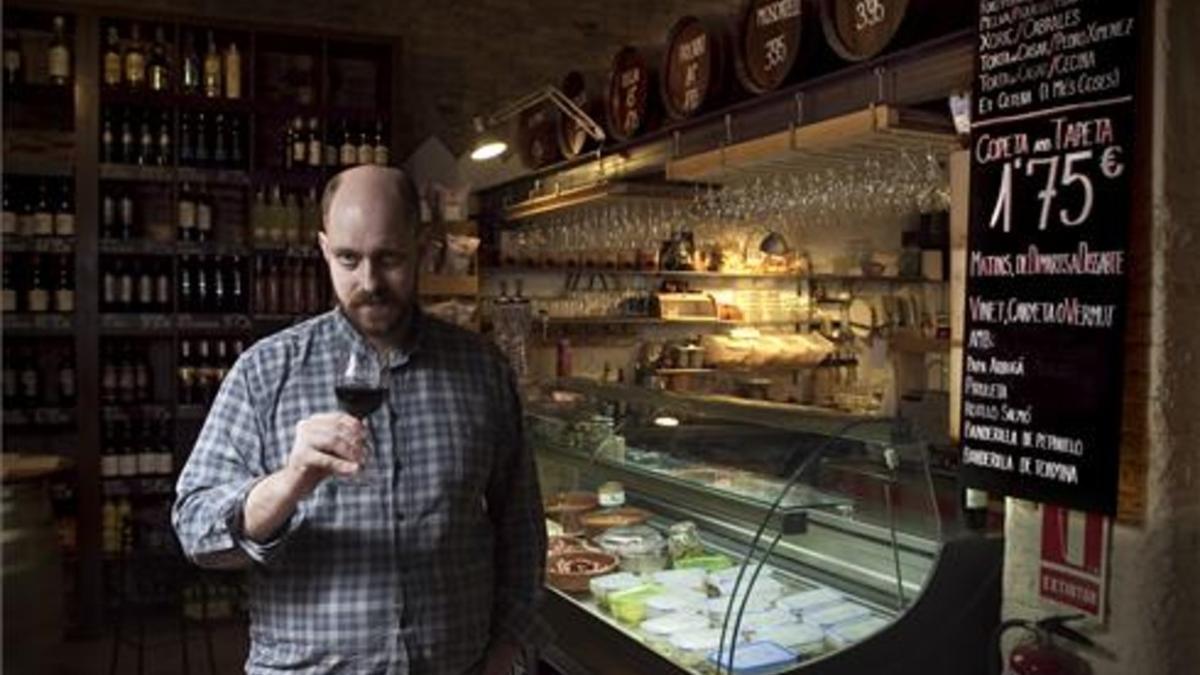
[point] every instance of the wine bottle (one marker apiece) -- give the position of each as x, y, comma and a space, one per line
107, 142
126, 216
200, 150
191, 79
212, 69
64, 215
204, 218
382, 155
10, 212
10, 290
187, 213
233, 72
314, 143
348, 152
164, 140
186, 373
162, 288
43, 215
38, 297
127, 151
299, 143
13, 63
187, 150
159, 74
135, 60
112, 58
64, 292
366, 149
66, 378
59, 55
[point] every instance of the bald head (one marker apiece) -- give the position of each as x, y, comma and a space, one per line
381, 189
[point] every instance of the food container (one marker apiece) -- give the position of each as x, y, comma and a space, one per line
804, 639
692, 579
809, 601
691, 648
566, 507
676, 600
608, 584
851, 632
717, 607
565, 544
723, 581
754, 622
661, 629
753, 658
832, 615
596, 522
629, 605
708, 563
683, 540
640, 548
573, 571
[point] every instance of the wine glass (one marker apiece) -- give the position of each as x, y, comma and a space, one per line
361, 387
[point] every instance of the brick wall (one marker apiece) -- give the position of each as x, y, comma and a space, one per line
462, 58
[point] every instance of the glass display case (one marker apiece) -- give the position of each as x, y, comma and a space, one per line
798, 538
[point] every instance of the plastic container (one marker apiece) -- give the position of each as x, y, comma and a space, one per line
691, 579
810, 600
641, 548
753, 658
629, 605
603, 586
833, 615
804, 639
691, 648
673, 600
851, 632
764, 586
660, 630
755, 622
708, 563
718, 606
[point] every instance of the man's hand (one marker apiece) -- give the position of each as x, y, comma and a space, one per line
500, 658
326, 444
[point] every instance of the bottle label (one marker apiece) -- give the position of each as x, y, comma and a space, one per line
110, 288
135, 68
60, 62
233, 77
110, 466
125, 290
349, 155
331, 155
203, 217
39, 300
12, 60
64, 224
146, 290
366, 154
29, 384
314, 153
127, 464
147, 462
64, 300
10, 300
112, 70
163, 295
10, 223
43, 224
165, 463
299, 149
187, 215
381, 155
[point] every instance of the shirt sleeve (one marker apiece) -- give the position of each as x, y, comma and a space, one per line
218, 477
515, 507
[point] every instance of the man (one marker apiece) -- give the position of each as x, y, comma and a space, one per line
429, 564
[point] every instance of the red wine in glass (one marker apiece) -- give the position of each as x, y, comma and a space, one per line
359, 400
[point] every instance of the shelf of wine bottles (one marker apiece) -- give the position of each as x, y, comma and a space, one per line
40, 385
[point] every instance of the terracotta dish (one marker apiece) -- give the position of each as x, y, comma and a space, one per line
599, 521
572, 571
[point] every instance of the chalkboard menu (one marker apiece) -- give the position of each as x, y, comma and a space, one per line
1051, 160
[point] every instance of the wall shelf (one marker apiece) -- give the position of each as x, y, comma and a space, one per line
839, 141
596, 193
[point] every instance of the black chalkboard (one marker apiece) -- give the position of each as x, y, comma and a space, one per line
1047, 255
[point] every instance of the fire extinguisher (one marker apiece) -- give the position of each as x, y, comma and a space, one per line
1039, 653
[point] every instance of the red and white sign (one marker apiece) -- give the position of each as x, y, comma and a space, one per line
1074, 562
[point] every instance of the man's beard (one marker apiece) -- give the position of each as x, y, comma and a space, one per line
364, 300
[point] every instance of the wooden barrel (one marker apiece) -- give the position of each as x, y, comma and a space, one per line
537, 132
697, 67
778, 41
32, 578
633, 105
587, 91
858, 30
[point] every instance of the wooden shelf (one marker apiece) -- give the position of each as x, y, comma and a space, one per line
49, 324
14, 243
603, 192
39, 418
445, 284
168, 174
848, 139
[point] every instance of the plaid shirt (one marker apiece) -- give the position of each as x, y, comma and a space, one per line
414, 573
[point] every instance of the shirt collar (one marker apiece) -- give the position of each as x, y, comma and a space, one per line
397, 356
